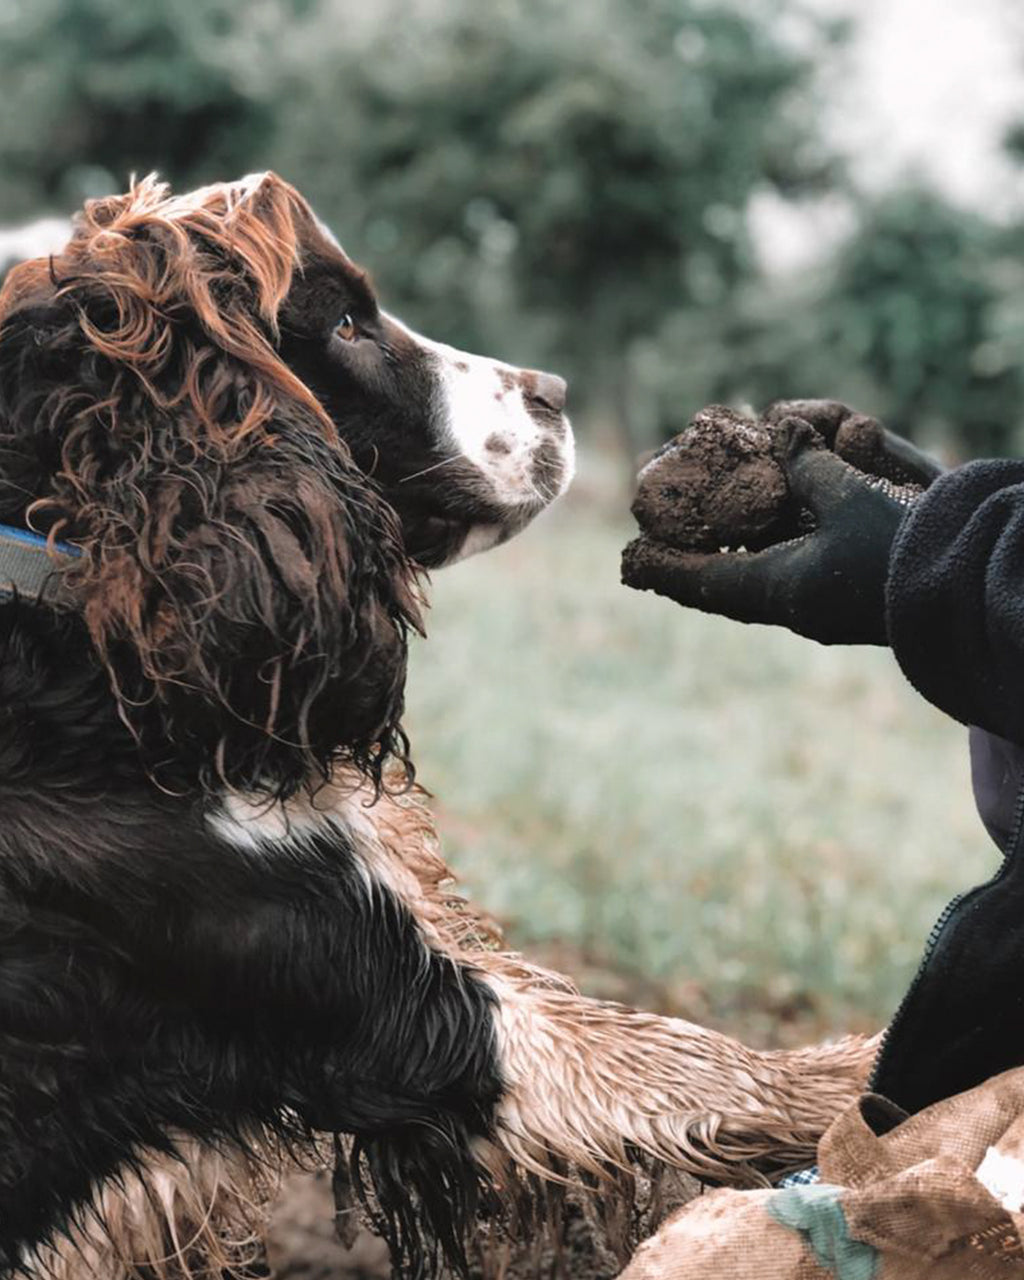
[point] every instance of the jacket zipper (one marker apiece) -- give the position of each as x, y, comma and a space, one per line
936, 932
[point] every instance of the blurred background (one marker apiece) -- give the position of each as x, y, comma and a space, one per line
672, 202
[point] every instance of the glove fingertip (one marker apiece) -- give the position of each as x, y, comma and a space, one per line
795, 435
814, 472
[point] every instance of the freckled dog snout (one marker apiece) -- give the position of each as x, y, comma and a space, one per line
547, 389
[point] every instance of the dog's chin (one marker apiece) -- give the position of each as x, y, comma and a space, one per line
436, 541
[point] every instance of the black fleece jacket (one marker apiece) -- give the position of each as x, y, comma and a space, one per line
955, 617
955, 596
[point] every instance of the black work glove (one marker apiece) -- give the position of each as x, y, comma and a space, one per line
861, 440
828, 584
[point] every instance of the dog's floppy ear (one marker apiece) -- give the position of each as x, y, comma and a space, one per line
242, 580
259, 607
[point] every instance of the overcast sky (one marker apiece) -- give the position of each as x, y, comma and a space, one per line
932, 84
929, 89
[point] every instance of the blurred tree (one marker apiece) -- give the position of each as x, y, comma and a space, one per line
94, 89
1013, 141
916, 301
586, 166
919, 318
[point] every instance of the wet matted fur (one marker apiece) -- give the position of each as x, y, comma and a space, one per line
600, 1088
217, 925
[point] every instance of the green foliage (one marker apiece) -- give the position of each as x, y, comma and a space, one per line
918, 318
543, 177
94, 89
915, 301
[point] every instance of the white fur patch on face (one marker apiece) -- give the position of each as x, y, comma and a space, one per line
481, 538
487, 420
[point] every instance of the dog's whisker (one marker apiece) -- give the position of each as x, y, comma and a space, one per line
540, 494
434, 467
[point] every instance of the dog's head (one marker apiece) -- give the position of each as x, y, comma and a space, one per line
203, 394
466, 450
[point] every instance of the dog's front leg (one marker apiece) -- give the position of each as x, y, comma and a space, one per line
595, 1082
332, 993
591, 1082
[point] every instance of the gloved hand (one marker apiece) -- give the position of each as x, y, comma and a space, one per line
828, 584
861, 440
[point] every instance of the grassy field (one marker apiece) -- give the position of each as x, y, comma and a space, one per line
759, 828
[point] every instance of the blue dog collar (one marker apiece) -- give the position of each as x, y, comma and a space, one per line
28, 568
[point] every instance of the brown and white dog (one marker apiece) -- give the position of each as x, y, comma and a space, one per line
221, 923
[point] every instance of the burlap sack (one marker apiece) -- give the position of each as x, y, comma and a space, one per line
937, 1196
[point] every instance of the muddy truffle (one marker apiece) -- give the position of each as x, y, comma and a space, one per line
716, 485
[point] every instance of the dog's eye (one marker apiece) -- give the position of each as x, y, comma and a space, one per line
347, 330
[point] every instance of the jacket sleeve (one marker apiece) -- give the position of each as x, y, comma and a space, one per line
955, 596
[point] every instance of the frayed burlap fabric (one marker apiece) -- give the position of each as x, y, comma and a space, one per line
936, 1196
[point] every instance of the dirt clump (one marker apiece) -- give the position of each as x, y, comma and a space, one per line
717, 484
304, 1243
859, 442
857, 438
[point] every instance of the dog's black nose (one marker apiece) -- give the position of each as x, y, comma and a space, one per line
548, 389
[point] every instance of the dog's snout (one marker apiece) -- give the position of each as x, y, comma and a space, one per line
546, 389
